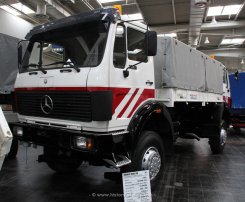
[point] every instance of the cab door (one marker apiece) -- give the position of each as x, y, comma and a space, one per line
131, 71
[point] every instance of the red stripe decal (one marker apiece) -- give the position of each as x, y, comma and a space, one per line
63, 89
118, 96
241, 125
146, 94
128, 103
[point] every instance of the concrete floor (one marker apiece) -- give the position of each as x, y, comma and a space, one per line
193, 175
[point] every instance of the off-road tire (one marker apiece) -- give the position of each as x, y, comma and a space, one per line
217, 143
147, 140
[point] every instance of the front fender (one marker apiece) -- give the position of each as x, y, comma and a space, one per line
151, 112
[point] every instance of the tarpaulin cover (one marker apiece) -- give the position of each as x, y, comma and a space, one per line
180, 66
238, 91
8, 62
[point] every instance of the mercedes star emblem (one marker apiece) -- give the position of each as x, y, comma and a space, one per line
47, 104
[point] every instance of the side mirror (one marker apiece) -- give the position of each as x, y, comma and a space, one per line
151, 43
120, 31
236, 75
20, 54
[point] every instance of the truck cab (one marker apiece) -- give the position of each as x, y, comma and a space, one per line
86, 62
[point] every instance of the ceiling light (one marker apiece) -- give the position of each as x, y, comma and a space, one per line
136, 16
173, 35
242, 62
213, 20
233, 41
206, 41
10, 10
231, 10
22, 8
108, 1
224, 10
17, 7
214, 11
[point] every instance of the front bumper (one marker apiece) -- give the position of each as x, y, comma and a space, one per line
102, 144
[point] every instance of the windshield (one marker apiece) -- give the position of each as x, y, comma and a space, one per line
81, 46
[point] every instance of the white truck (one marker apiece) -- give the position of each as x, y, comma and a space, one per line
101, 88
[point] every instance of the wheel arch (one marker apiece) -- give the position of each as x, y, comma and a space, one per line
152, 116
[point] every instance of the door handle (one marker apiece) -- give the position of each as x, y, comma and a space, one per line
149, 83
32, 73
65, 70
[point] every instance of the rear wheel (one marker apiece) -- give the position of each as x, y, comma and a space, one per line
148, 155
218, 142
62, 161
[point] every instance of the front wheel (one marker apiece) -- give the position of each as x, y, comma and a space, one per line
148, 155
62, 161
218, 142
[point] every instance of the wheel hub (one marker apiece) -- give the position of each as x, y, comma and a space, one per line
223, 136
152, 162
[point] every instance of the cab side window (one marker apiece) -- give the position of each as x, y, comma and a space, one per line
136, 45
119, 53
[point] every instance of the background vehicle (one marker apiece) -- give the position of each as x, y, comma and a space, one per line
5, 138
9, 70
237, 82
89, 89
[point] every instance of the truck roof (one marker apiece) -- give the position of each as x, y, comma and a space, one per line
109, 14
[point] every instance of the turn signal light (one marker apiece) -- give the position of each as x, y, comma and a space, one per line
158, 111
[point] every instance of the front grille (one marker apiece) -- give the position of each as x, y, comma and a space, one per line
67, 105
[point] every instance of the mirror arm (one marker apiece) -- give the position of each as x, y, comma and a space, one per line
147, 40
134, 67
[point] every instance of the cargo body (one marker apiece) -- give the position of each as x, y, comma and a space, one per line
113, 93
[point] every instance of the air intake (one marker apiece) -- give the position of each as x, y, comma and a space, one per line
41, 10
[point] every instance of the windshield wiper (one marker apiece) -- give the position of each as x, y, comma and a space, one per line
64, 63
37, 66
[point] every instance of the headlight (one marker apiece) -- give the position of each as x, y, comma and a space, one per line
18, 131
7, 107
83, 143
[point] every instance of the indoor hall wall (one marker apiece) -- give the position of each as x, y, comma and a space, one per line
13, 26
